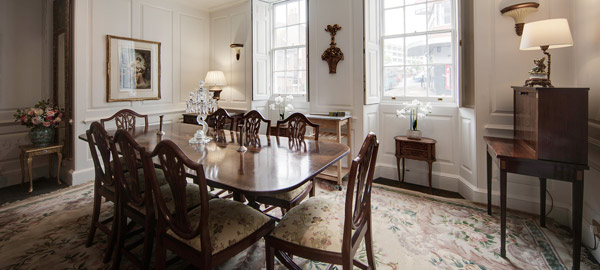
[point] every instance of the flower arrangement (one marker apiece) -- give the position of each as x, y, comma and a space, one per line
415, 110
282, 105
41, 114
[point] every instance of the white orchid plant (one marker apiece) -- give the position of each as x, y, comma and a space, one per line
414, 110
282, 105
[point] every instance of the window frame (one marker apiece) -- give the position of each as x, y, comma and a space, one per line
273, 49
454, 32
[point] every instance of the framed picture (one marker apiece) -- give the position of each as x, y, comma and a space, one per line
133, 69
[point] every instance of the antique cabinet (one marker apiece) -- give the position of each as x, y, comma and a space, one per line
552, 122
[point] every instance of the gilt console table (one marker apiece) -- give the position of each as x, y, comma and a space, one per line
30, 151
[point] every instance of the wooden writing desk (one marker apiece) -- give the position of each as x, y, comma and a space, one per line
513, 157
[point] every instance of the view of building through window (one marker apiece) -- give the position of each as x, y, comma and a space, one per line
289, 47
418, 48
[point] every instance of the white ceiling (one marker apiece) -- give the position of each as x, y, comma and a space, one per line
211, 4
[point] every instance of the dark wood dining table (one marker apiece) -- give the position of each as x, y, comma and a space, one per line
271, 165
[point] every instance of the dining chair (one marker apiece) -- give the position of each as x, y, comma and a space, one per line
251, 123
221, 117
126, 119
209, 234
135, 201
104, 186
324, 230
296, 128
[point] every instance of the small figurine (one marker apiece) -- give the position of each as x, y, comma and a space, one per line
540, 66
538, 74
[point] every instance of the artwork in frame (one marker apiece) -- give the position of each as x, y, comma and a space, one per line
133, 69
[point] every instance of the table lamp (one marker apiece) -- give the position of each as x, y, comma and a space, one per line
215, 79
544, 35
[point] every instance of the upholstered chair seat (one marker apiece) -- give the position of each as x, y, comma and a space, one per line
192, 197
229, 222
317, 223
290, 195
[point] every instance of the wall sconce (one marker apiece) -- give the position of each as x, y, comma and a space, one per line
518, 10
236, 48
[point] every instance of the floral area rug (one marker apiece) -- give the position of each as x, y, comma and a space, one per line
411, 231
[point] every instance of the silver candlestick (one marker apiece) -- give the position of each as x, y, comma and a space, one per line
160, 132
242, 148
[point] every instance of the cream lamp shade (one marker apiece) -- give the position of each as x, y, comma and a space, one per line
215, 78
553, 33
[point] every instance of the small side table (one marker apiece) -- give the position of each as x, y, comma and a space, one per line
423, 149
30, 151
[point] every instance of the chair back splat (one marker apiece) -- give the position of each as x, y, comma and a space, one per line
126, 119
296, 129
98, 141
358, 194
175, 165
221, 117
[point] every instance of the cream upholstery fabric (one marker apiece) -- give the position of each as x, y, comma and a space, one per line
290, 195
228, 223
316, 223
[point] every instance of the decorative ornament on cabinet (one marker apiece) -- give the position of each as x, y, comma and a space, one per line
333, 54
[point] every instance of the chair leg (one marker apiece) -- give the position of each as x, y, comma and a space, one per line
270, 256
148, 243
160, 253
369, 246
121, 232
112, 238
313, 189
95, 217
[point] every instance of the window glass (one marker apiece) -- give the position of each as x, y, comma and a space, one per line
418, 46
289, 47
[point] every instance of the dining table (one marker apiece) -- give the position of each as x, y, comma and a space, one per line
269, 165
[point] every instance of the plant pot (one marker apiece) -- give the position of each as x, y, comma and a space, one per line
414, 134
41, 135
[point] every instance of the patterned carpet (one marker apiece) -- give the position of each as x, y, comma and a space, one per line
412, 231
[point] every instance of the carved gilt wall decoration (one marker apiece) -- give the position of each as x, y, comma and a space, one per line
333, 54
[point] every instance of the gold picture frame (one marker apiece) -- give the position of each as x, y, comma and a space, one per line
132, 69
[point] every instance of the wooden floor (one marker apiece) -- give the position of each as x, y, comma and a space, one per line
413, 187
41, 186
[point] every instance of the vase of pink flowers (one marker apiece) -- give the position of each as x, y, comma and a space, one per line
43, 119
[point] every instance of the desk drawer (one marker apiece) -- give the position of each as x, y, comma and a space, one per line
414, 145
414, 153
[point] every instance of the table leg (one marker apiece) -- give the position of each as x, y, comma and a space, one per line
503, 213
22, 159
60, 156
399, 172
489, 182
403, 169
577, 216
339, 163
430, 168
50, 166
543, 202
349, 138
29, 167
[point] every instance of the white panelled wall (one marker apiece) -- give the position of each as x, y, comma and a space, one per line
183, 31
25, 77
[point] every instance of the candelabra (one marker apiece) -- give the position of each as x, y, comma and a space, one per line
202, 103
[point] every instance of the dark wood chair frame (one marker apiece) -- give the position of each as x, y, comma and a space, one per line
221, 118
126, 119
296, 125
357, 217
174, 162
98, 141
251, 123
130, 194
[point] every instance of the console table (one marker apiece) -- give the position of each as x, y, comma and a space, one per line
423, 149
30, 151
550, 142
